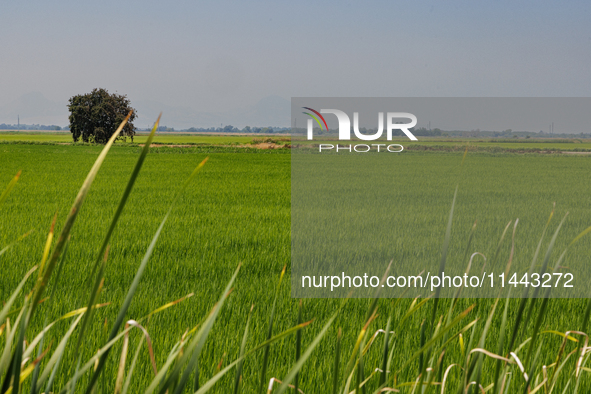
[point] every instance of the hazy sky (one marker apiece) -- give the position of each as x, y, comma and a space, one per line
202, 61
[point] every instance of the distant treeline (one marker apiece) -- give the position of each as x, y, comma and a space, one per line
227, 129
4, 126
211, 130
424, 132
419, 132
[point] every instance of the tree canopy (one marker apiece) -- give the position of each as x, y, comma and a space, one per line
95, 116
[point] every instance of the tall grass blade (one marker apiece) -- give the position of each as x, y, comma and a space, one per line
9, 188
442, 263
546, 261
298, 347
544, 305
47, 246
196, 384
584, 316
500, 245
337, 363
385, 352
263, 379
376, 296
53, 374
89, 310
371, 314
165, 306
360, 371
94, 360
121, 369
136, 280
125, 196
524, 298
58, 273
70, 385
15, 293
58, 353
481, 343
194, 349
164, 369
5, 359
578, 381
468, 353
533, 369
14, 370
501, 343
132, 366
18, 356
435, 338
458, 292
43, 281
445, 248
104, 247
242, 350
211, 382
294, 370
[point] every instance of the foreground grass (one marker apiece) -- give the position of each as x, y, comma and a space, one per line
239, 211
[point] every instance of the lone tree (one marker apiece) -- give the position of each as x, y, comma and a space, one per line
95, 116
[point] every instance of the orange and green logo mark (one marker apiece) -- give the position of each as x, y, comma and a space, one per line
315, 117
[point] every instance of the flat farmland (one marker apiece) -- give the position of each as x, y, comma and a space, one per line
238, 210
180, 138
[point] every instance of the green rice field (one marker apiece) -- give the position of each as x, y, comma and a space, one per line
180, 138
237, 210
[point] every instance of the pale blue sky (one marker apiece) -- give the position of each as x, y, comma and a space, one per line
213, 61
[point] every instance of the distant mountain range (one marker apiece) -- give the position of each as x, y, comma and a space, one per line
35, 108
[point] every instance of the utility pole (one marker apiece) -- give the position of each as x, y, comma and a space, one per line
18, 127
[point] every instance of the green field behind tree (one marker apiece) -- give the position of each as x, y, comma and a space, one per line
238, 210
180, 138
